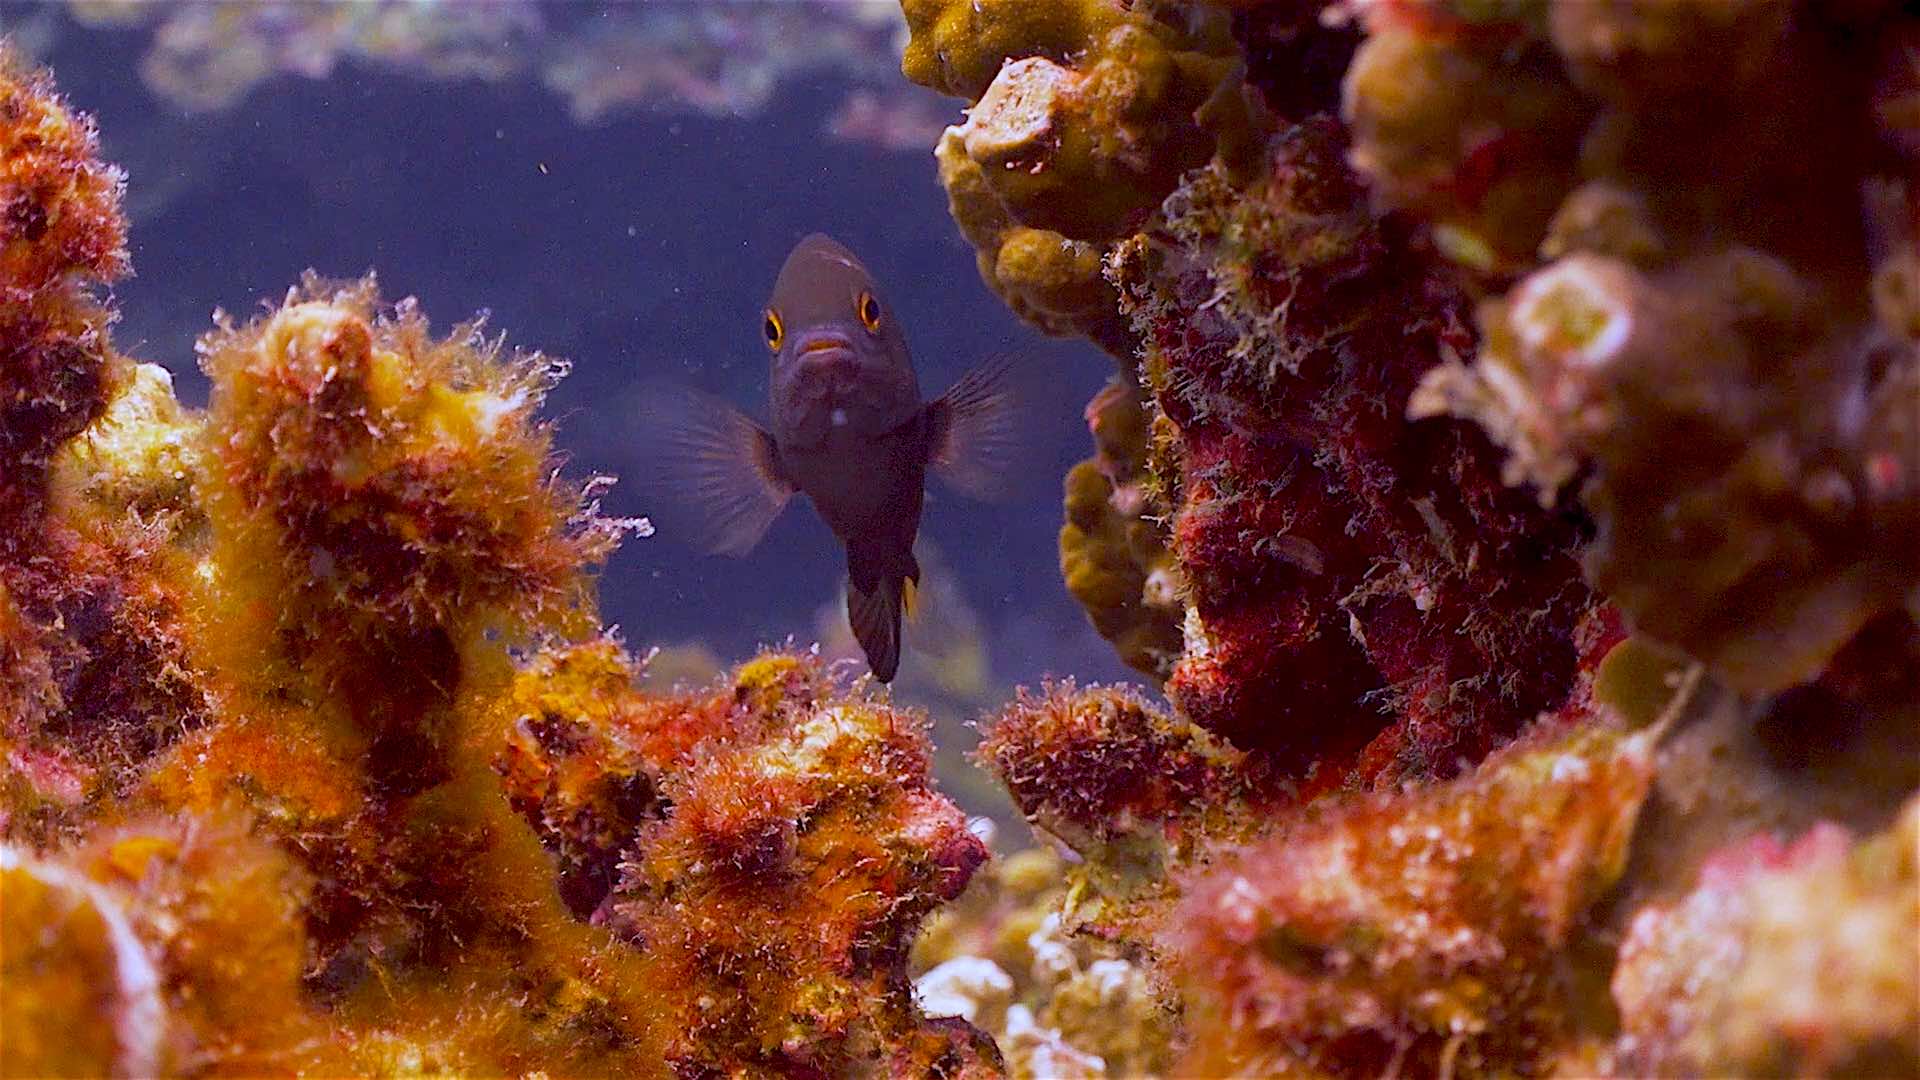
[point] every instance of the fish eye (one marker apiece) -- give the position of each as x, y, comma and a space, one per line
869, 309
775, 330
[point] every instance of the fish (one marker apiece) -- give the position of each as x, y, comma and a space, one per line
847, 428
946, 635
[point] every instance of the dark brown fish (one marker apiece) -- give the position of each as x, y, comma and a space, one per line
849, 430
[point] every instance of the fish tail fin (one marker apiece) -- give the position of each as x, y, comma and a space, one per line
712, 475
875, 610
980, 430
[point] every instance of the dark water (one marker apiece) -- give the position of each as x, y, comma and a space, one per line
640, 246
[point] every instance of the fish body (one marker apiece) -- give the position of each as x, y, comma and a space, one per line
849, 430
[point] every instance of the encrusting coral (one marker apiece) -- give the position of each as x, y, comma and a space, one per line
1085, 116
316, 760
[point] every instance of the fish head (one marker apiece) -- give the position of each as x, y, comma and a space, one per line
840, 358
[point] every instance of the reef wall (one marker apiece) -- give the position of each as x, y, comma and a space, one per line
315, 758
1512, 477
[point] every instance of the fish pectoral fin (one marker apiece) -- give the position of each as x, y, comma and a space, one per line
875, 619
979, 431
909, 599
712, 474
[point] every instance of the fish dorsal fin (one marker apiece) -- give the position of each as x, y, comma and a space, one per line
978, 431
713, 474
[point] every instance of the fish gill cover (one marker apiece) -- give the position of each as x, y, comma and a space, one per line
1511, 478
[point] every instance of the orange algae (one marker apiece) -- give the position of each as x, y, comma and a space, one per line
74, 989
91, 673
781, 891
382, 505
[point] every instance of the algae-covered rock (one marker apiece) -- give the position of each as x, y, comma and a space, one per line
1427, 932
1786, 960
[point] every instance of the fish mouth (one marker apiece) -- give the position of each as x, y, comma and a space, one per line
823, 341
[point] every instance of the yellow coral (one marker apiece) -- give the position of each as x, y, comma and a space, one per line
1085, 116
1113, 554
958, 46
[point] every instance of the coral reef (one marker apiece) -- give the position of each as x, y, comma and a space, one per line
1354, 591
206, 57
317, 760
1402, 274
316, 757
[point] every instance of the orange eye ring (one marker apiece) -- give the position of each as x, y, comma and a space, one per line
869, 311
774, 329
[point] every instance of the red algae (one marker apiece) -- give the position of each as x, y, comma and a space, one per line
61, 233
1093, 765
92, 673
